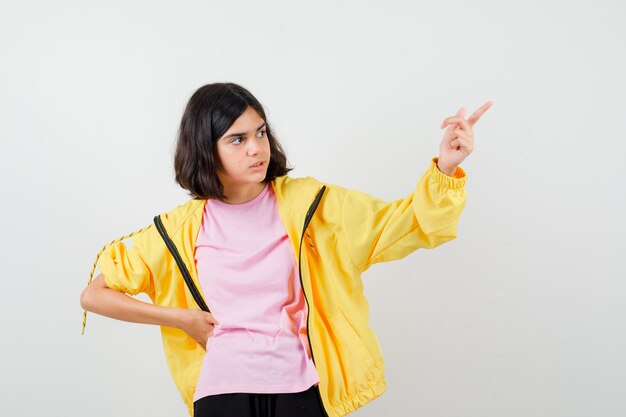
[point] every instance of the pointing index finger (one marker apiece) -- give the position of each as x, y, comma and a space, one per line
478, 113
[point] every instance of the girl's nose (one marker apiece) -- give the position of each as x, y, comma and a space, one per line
253, 147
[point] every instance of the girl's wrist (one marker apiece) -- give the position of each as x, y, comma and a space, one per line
448, 171
172, 316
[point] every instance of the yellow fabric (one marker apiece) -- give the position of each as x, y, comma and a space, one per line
350, 231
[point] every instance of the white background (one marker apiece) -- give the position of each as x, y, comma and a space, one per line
521, 315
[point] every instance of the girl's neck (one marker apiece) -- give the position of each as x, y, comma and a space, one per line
243, 193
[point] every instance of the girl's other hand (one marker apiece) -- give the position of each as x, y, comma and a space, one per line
458, 139
198, 324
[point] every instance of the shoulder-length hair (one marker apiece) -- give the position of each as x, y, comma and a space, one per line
211, 110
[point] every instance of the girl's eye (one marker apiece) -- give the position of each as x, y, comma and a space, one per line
241, 137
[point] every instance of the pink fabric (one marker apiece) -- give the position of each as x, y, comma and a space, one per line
249, 277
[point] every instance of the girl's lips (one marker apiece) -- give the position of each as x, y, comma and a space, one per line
261, 165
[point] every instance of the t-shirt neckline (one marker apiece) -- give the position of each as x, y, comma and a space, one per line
242, 205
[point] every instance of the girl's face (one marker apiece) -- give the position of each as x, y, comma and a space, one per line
244, 144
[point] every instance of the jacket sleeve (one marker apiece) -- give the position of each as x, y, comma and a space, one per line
125, 269
378, 231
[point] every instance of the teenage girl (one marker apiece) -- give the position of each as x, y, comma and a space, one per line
276, 259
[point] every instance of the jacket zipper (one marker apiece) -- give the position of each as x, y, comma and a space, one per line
181, 265
307, 220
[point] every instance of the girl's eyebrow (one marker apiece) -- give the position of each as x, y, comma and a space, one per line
242, 133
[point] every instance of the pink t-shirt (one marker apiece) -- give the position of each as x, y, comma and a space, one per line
249, 277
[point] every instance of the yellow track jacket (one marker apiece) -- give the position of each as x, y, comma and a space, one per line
337, 233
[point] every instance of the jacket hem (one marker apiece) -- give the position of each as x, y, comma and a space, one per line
359, 399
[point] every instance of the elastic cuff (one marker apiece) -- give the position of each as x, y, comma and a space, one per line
456, 181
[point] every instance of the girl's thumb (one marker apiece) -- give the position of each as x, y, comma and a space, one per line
212, 318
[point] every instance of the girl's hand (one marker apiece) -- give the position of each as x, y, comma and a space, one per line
198, 324
458, 139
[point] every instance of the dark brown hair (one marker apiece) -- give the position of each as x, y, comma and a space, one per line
211, 110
